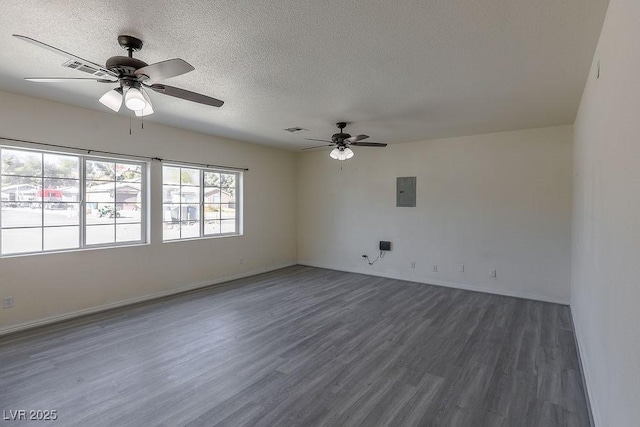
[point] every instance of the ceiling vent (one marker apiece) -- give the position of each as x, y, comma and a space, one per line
296, 129
85, 68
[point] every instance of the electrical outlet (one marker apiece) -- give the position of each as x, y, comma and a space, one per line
461, 268
413, 264
7, 302
435, 269
493, 273
241, 261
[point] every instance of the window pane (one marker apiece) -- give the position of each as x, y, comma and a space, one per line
129, 213
21, 215
60, 166
16, 189
170, 175
171, 213
100, 171
190, 229
228, 211
61, 214
227, 180
228, 226
128, 172
171, 194
100, 213
100, 191
189, 213
190, 194
17, 240
128, 195
61, 238
61, 190
211, 212
211, 179
128, 232
228, 195
212, 227
189, 176
24, 163
100, 234
212, 195
171, 230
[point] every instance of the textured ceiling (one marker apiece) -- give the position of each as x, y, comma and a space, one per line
398, 70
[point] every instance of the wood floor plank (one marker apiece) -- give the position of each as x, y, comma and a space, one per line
304, 346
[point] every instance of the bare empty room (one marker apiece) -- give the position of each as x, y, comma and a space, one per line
314, 213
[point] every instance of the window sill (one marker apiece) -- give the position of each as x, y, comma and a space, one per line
68, 251
190, 239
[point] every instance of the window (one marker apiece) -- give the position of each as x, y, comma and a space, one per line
199, 202
59, 201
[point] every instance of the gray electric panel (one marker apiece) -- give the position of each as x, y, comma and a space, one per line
406, 192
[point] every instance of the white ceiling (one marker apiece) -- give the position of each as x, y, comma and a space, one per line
399, 70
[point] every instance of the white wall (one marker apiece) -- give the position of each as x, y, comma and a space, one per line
46, 286
498, 201
605, 292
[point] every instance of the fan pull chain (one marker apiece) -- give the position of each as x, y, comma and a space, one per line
129, 123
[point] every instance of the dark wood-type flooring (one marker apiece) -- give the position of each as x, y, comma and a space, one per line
302, 347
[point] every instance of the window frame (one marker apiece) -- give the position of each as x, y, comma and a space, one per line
143, 202
82, 202
201, 202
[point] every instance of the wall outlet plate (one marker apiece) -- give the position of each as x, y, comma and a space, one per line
7, 302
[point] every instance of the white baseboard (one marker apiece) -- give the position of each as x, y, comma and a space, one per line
177, 290
594, 414
456, 285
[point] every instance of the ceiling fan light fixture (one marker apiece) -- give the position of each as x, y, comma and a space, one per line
341, 153
112, 99
134, 100
146, 110
348, 153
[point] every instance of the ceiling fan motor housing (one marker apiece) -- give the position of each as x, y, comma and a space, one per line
339, 138
124, 66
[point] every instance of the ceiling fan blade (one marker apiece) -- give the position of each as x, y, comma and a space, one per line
185, 94
317, 146
356, 138
368, 144
63, 53
112, 99
165, 69
66, 79
319, 140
